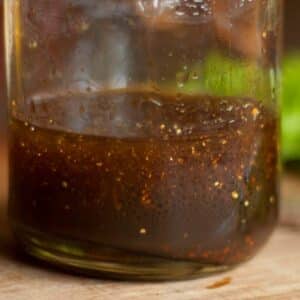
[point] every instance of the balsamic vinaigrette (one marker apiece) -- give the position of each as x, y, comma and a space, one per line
174, 177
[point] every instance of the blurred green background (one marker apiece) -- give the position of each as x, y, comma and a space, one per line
291, 84
291, 107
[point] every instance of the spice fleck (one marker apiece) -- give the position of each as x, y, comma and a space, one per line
143, 231
64, 184
220, 283
255, 112
235, 195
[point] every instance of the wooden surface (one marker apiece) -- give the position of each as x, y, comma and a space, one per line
273, 274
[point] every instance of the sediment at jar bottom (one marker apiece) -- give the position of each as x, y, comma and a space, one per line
189, 178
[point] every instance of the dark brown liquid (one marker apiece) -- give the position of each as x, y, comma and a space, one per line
186, 177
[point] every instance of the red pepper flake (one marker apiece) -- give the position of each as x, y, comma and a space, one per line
205, 254
192, 254
226, 250
220, 283
249, 241
166, 248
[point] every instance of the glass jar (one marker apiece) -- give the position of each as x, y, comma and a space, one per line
143, 134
